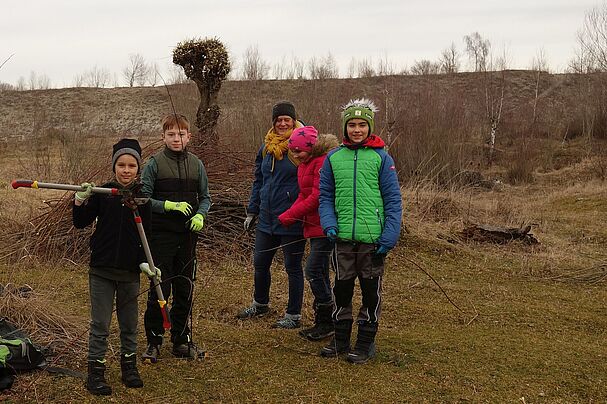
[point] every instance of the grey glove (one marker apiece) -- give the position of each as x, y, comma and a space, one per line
145, 268
249, 221
87, 191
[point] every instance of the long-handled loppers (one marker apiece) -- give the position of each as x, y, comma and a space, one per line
166, 320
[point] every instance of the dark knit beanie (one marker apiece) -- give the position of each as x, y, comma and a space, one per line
126, 146
283, 108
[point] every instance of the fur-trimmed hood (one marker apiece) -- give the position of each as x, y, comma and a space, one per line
324, 144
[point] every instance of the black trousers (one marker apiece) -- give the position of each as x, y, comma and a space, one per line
175, 255
351, 261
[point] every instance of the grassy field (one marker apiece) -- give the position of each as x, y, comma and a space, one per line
532, 325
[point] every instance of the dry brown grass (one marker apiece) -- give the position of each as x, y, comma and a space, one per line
531, 325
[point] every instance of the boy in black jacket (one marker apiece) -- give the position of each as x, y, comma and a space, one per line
116, 255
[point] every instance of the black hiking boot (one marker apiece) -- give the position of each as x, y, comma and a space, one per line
151, 354
95, 381
188, 350
340, 343
364, 350
130, 374
323, 324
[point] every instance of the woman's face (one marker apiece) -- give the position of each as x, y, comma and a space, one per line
283, 124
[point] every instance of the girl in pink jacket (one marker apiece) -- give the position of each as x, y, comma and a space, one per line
311, 149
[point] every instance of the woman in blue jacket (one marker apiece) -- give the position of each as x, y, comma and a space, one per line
274, 191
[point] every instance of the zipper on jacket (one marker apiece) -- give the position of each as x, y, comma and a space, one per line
117, 256
354, 196
381, 225
269, 212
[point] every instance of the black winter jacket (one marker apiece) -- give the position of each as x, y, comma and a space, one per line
115, 243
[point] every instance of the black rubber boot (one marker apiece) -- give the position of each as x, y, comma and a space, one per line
365, 343
130, 374
95, 381
323, 324
340, 343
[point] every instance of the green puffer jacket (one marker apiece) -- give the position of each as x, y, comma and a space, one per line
359, 194
358, 202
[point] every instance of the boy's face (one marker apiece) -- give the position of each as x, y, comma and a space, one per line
283, 124
126, 169
176, 139
358, 130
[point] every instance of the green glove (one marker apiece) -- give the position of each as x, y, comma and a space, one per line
196, 222
145, 268
86, 193
182, 207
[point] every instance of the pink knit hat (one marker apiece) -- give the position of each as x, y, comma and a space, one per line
303, 139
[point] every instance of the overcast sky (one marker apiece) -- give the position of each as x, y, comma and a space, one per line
64, 38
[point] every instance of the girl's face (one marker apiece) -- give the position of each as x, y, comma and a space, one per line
301, 155
358, 130
126, 169
283, 124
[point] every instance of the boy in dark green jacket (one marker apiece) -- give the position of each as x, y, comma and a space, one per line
176, 181
360, 208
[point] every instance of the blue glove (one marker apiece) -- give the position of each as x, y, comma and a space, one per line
382, 250
331, 234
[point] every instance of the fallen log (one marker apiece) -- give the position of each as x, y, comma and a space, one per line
500, 235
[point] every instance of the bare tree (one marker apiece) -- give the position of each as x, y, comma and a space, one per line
78, 80
592, 42
97, 77
279, 69
539, 62
32, 81
21, 84
43, 82
153, 75
136, 71
502, 61
6, 87
449, 60
253, 66
385, 67
365, 68
176, 75
477, 49
352, 68
299, 68
425, 66
323, 68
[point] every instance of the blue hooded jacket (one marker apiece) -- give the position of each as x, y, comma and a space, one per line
274, 190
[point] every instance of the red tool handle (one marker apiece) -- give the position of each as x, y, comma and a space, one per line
21, 183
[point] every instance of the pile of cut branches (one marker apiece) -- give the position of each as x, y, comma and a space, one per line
51, 235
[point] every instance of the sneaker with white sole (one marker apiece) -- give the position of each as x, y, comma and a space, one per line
254, 310
287, 323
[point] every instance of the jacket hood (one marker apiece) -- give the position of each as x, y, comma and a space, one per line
324, 144
372, 141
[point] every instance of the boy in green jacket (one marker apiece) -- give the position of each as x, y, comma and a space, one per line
360, 209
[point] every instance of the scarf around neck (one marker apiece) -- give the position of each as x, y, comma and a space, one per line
277, 145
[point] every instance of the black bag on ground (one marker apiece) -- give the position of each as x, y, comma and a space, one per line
17, 353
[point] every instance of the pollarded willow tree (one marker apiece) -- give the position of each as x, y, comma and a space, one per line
206, 62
